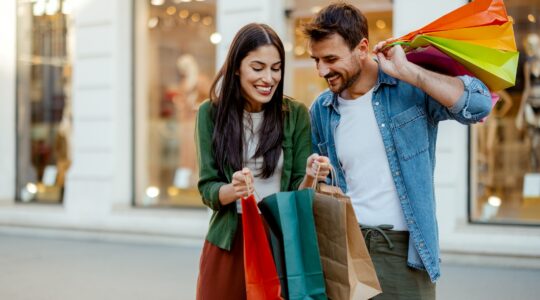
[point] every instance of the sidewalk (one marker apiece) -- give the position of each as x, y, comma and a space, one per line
36, 268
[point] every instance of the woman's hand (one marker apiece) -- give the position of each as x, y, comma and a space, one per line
242, 183
315, 163
238, 188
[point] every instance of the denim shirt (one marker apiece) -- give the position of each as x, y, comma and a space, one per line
408, 120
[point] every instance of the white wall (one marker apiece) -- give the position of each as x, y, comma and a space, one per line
457, 235
7, 101
232, 15
102, 108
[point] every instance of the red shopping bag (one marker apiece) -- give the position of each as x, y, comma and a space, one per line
262, 281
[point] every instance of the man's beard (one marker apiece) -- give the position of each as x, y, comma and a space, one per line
347, 84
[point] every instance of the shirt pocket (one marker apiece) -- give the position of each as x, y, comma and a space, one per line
410, 131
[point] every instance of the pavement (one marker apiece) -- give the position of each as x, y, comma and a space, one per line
36, 268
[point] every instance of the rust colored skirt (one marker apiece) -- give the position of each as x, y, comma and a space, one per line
221, 272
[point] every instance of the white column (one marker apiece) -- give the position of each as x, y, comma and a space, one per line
102, 109
7, 100
413, 14
232, 15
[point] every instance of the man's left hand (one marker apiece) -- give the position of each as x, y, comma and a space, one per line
394, 62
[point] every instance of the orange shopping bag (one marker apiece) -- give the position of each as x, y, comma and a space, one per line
472, 14
262, 281
476, 39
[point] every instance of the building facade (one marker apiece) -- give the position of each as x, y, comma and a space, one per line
97, 120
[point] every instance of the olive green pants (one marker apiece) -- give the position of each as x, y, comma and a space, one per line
388, 250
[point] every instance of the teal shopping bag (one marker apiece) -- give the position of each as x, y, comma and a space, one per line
289, 216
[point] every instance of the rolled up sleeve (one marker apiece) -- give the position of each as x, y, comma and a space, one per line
474, 104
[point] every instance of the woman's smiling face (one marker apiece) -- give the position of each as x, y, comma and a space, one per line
260, 73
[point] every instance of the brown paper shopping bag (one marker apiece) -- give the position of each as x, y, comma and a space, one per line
347, 266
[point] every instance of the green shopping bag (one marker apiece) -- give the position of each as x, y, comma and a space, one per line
294, 240
496, 68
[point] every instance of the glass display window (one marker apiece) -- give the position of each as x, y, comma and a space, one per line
43, 100
505, 148
175, 64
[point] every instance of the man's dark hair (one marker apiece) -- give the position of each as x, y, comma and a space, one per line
341, 18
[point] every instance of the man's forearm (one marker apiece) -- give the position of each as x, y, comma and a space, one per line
445, 89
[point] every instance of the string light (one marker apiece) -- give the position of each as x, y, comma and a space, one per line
380, 24
207, 20
184, 14
171, 10
195, 17
215, 38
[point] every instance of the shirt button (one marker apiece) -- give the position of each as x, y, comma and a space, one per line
421, 245
377, 103
402, 197
397, 173
382, 125
410, 221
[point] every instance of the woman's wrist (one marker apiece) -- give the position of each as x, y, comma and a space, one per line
227, 194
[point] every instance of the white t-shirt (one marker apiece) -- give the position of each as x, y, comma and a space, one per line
263, 187
361, 152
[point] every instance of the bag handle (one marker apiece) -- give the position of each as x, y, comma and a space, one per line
249, 185
333, 174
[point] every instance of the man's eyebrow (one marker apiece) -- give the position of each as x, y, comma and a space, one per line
324, 57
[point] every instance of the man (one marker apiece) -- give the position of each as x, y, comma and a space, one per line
378, 125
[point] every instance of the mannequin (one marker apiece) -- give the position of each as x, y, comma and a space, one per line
63, 135
529, 112
192, 90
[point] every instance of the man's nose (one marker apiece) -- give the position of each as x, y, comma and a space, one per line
323, 69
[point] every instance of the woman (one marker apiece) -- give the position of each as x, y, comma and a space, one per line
247, 131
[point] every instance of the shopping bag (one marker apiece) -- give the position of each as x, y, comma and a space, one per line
478, 35
348, 269
499, 37
433, 59
290, 218
495, 68
473, 14
262, 282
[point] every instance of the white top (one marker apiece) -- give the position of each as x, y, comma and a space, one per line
361, 152
263, 187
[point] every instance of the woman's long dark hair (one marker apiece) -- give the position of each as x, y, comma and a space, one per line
227, 99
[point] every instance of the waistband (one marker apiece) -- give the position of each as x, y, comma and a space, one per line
385, 230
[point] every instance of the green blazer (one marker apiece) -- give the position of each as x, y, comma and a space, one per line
296, 149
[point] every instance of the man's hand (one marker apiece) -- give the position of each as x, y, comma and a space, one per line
316, 162
394, 62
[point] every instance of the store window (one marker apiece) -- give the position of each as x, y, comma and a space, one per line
175, 64
43, 100
305, 84
505, 148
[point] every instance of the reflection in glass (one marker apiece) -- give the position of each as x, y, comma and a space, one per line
506, 146
177, 44
43, 101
